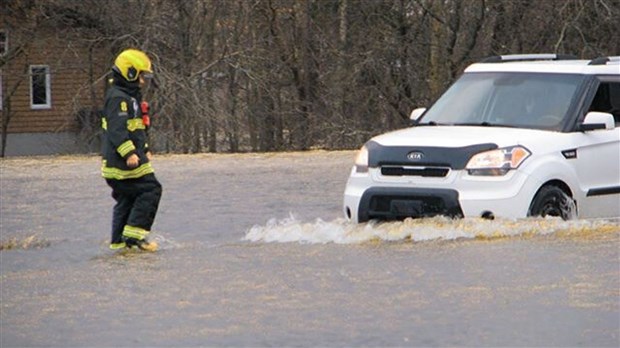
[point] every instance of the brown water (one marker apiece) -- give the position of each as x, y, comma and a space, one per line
255, 253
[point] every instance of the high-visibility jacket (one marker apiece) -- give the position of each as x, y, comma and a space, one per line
124, 134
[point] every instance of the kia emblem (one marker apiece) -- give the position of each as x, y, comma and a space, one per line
415, 156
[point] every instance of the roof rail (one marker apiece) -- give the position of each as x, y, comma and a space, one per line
528, 57
604, 60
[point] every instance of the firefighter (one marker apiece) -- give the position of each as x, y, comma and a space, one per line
126, 155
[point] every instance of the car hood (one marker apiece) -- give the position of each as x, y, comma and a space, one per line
460, 136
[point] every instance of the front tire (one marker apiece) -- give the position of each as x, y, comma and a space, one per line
553, 201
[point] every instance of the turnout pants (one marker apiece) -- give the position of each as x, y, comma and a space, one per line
137, 201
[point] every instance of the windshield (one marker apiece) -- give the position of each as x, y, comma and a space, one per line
523, 100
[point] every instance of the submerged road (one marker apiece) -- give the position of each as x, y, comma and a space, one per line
254, 252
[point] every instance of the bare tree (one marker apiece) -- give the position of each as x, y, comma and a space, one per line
268, 75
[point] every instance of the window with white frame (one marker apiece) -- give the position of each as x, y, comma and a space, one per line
40, 86
4, 42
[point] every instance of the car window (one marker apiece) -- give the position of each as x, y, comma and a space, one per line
524, 100
463, 102
607, 99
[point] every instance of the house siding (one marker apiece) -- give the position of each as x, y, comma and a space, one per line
72, 67
69, 67
77, 69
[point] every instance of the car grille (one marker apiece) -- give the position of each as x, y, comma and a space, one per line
395, 203
437, 172
396, 206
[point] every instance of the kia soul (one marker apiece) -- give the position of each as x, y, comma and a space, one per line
514, 136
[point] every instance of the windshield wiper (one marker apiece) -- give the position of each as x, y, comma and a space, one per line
483, 124
429, 123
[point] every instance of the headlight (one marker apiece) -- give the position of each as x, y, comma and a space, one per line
497, 162
361, 161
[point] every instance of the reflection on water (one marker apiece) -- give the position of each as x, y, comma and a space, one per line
341, 231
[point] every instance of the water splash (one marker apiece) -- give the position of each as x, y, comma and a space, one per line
568, 207
163, 241
340, 231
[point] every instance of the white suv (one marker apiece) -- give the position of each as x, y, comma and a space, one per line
514, 136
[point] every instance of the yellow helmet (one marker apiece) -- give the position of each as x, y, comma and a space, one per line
131, 63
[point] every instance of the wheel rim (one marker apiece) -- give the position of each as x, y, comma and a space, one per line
554, 203
551, 208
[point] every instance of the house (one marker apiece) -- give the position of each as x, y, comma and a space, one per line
52, 82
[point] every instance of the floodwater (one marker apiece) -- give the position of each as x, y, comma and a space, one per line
254, 252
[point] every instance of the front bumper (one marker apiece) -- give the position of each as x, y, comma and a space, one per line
370, 196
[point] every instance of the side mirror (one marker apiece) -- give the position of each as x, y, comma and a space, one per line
597, 120
416, 113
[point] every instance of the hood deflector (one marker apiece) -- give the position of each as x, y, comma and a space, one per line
452, 157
